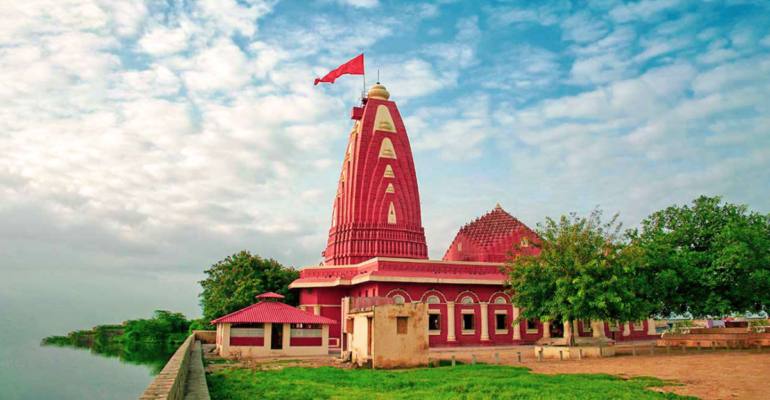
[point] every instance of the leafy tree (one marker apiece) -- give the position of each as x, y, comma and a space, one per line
708, 259
164, 326
233, 283
578, 269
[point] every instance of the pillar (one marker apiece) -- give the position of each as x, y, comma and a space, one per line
598, 329
325, 337
484, 321
286, 337
567, 331
517, 327
651, 327
268, 336
627, 329
317, 309
450, 321
546, 330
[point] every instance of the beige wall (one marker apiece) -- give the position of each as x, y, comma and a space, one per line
358, 339
225, 350
389, 348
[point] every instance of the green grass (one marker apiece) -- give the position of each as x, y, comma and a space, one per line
478, 381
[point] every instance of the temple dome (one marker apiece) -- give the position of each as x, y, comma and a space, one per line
377, 91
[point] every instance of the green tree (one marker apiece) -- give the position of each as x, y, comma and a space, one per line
578, 269
163, 327
234, 282
708, 259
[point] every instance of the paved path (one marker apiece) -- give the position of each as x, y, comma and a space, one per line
196, 388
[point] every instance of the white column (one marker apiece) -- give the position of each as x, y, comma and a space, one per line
450, 322
268, 336
517, 327
627, 329
546, 330
651, 327
286, 337
567, 327
325, 337
598, 329
484, 321
317, 309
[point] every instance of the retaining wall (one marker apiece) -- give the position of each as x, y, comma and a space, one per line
720, 337
170, 382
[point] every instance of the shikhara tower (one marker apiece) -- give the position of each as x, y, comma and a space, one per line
376, 210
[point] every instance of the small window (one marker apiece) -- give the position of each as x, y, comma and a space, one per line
467, 300
500, 300
469, 322
433, 300
367, 292
501, 321
531, 325
434, 322
460, 246
524, 242
399, 299
402, 325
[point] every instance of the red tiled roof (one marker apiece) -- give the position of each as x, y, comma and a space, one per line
494, 226
273, 313
270, 295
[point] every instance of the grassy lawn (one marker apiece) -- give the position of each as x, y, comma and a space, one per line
478, 381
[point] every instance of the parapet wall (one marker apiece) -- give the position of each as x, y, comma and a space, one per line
170, 382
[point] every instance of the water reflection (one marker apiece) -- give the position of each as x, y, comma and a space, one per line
154, 356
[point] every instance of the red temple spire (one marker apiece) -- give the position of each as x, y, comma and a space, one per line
376, 211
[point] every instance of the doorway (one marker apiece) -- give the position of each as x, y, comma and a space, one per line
276, 338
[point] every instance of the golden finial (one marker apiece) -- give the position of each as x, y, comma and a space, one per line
497, 207
377, 91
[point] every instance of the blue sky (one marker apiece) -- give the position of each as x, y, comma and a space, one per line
142, 141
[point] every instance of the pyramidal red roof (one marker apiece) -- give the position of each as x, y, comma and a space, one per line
270, 295
492, 227
273, 313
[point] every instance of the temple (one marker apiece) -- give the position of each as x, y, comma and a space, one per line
377, 248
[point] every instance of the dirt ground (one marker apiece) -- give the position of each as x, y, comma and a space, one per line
707, 375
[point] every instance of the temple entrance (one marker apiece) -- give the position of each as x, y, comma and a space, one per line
276, 338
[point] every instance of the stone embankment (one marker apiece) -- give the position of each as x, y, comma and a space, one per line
718, 337
183, 377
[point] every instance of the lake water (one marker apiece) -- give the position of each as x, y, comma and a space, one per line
31, 371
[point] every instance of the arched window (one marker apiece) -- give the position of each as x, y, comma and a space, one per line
467, 300
433, 300
399, 299
386, 149
500, 300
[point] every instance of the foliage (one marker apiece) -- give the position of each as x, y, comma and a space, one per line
234, 282
579, 269
708, 259
200, 324
461, 382
163, 327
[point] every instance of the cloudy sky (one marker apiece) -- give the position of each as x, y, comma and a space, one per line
141, 141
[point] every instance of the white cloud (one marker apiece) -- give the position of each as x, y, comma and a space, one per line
162, 41
223, 66
644, 10
360, 3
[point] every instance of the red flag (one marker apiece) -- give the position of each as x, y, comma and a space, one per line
352, 67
